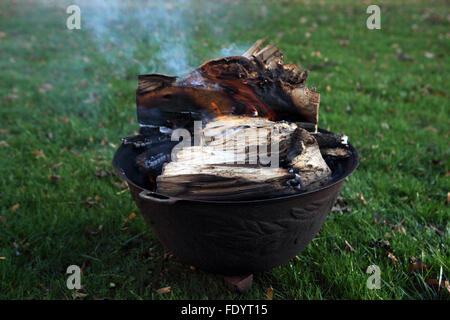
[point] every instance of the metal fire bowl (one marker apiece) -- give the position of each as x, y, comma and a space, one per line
233, 237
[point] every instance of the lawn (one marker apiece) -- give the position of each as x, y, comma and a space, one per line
68, 96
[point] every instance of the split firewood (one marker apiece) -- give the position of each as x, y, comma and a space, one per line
257, 83
244, 101
309, 164
228, 164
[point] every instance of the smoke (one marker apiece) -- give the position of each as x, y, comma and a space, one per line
150, 34
156, 36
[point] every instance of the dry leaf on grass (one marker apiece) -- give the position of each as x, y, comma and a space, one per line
163, 290
121, 185
436, 286
399, 227
56, 166
361, 198
15, 207
392, 258
167, 255
45, 87
130, 217
53, 178
348, 247
435, 229
384, 244
77, 294
269, 294
340, 205
38, 153
417, 265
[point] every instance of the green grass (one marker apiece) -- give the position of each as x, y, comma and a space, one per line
395, 112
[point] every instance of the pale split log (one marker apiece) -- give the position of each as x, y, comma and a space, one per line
214, 170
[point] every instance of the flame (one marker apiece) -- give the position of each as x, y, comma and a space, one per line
255, 110
216, 108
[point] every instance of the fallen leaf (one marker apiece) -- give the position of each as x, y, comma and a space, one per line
77, 294
103, 173
167, 255
269, 294
45, 87
340, 205
392, 258
53, 178
130, 217
163, 290
15, 207
361, 198
435, 229
192, 268
417, 266
121, 185
89, 204
348, 247
4, 144
431, 129
399, 228
429, 55
404, 57
56, 166
384, 126
384, 244
38, 153
99, 229
436, 286
2, 258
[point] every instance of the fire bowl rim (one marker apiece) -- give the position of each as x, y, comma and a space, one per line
354, 158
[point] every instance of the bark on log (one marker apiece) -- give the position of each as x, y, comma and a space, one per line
258, 83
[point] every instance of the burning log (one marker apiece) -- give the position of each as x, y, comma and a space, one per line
257, 83
240, 98
237, 160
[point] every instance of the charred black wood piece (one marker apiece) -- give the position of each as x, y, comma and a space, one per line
141, 141
329, 140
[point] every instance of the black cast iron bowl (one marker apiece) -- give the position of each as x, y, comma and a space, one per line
233, 237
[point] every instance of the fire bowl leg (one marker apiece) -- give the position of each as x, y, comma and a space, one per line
239, 284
